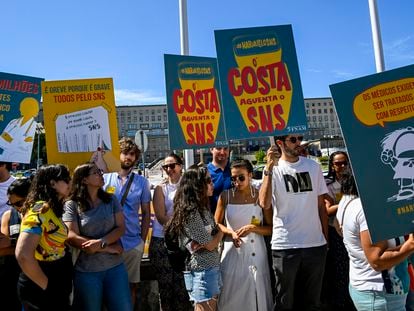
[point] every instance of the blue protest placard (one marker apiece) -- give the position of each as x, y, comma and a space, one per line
195, 117
260, 82
376, 114
19, 107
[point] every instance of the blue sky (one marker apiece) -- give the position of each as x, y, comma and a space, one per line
126, 39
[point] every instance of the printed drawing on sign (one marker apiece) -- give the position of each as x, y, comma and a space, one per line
83, 131
16, 140
398, 153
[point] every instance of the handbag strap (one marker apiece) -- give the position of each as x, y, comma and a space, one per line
343, 214
124, 196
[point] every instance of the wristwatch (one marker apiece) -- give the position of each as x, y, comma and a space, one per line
268, 172
103, 243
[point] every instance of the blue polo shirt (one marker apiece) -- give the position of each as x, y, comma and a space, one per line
138, 193
221, 180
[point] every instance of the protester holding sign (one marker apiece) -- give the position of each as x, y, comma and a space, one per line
379, 277
133, 193
294, 186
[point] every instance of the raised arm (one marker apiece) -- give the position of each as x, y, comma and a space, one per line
380, 257
265, 193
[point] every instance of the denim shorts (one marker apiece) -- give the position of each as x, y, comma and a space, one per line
203, 285
371, 300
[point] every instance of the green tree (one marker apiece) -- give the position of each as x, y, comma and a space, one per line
260, 155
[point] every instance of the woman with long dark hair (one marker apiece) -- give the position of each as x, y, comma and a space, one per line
337, 261
46, 279
173, 295
96, 223
193, 222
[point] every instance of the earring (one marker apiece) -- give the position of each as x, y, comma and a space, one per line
252, 191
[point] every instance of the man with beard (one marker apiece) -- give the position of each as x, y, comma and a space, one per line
136, 190
294, 186
219, 169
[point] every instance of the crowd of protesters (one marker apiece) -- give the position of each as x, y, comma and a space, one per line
75, 241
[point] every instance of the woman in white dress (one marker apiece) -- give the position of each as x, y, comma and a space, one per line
244, 264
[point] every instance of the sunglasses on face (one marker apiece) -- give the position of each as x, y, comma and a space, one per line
340, 163
169, 166
17, 204
294, 139
239, 178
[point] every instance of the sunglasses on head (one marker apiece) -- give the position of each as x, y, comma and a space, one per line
340, 163
294, 139
17, 204
240, 178
169, 166
96, 172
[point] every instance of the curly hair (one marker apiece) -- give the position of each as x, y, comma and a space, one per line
331, 172
127, 144
80, 192
42, 190
191, 196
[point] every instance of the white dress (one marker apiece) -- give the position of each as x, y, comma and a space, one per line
245, 270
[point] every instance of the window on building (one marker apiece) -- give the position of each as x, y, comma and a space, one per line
159, 118
146, 118
152, 118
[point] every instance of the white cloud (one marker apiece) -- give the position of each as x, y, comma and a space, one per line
400, 50
125, 97
342, 74
313, 70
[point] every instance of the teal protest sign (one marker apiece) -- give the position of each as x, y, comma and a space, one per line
19, 103
260, 83
195, 117
376, 114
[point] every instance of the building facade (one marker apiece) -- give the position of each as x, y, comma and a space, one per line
153, 120
321, 117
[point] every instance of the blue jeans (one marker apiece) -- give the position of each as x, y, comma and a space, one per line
371, 300
203, 285
299, 276
110, 286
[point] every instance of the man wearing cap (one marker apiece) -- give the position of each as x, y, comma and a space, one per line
219, 169
294, 186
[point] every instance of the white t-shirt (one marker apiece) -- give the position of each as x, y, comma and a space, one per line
3, 195
169, 191
361, 275
295, 190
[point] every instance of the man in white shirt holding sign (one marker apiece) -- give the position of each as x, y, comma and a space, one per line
294, 186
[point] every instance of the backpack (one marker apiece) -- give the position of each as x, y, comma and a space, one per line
177, 252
